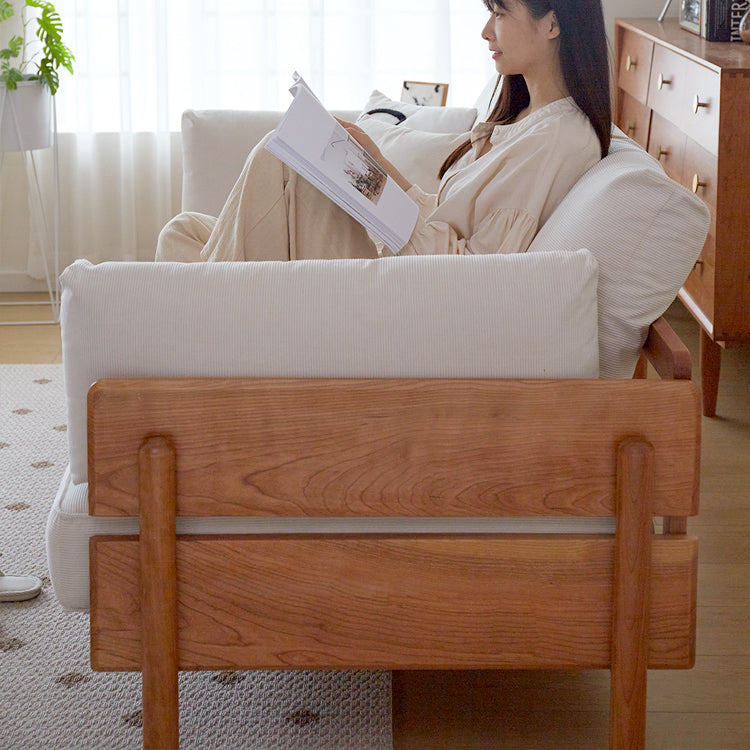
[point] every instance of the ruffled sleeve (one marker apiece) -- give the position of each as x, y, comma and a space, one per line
507, 230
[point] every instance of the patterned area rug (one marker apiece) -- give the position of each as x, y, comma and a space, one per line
50, 698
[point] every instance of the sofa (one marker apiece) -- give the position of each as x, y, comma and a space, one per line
382, 420
578, 304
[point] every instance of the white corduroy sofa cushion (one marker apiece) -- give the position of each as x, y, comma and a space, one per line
646, 232
434, 316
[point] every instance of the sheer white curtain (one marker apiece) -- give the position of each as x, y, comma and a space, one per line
140, 63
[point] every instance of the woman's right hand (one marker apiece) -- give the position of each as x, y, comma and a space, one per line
363, 139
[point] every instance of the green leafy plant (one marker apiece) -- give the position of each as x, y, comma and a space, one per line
17, 58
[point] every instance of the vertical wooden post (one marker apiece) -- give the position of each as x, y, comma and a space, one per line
635, 461
158, 499
710, 356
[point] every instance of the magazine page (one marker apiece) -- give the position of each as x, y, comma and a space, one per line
314, 144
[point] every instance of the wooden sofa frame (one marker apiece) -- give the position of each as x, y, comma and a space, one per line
161, 448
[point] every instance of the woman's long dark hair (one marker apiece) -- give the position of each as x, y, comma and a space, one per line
585, 68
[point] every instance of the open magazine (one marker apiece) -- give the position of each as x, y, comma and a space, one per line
310, 141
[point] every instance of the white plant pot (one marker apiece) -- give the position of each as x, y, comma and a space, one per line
25, 112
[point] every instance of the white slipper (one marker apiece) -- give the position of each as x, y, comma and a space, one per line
18, 588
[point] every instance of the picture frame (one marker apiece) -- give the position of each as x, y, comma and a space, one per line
425, 93
691, 15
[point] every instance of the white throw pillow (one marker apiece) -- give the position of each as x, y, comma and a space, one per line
417, 154
431, 119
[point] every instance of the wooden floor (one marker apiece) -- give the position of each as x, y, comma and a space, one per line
707, 708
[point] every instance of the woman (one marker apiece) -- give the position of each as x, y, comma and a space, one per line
551, 123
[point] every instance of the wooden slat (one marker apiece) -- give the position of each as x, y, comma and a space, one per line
395, 602
338, 447
666, 352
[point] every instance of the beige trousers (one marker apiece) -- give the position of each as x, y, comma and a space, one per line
271, 214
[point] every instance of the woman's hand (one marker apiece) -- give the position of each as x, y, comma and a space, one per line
364, 140
372, 149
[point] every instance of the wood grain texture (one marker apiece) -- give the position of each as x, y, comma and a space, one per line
338, 447
393, 601
420, 447
631, 596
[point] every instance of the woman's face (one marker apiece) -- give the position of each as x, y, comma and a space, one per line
519, 42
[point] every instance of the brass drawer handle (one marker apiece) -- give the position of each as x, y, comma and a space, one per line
630, 63
662, 152
697, 183
699, 264
697, 104
630, 128
663, 81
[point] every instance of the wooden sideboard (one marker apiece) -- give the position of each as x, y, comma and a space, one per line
687, 101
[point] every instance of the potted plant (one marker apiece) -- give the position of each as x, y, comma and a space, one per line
29, 76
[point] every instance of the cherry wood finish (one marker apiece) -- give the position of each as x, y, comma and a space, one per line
697, 95
339, 447
158, 593
394, 601
635, 119
667, 354
635, 462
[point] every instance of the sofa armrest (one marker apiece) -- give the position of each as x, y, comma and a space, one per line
666, 352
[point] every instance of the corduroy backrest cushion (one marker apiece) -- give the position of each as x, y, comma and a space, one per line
215, 145
646, 232
435, 316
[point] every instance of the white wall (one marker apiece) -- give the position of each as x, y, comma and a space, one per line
634, 9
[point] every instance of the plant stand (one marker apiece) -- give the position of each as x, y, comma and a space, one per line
48, 236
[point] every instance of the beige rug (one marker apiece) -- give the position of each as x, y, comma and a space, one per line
50, 698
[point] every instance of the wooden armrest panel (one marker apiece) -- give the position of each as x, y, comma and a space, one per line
392, 447
393, 602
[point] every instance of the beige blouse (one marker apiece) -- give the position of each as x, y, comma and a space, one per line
496, 203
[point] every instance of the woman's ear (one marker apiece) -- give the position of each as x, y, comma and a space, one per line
551, 26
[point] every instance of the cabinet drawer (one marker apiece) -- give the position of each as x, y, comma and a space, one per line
667, 144
687, 94
633, 118
699, 174
634, 65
